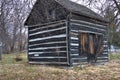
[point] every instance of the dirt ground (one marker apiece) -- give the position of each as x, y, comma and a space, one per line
12, 70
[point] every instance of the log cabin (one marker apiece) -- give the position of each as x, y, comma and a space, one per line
62, 32
0, 49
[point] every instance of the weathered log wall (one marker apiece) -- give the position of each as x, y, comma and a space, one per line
47, 44
75, 28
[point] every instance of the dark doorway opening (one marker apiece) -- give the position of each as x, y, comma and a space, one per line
90, 45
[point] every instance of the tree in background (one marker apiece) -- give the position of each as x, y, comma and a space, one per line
14, 12
12, 31
113, 32
109, 9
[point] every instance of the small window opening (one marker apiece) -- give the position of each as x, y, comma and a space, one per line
52, 14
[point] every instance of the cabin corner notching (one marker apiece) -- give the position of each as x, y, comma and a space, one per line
70, 34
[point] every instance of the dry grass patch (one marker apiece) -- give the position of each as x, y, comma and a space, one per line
12, 70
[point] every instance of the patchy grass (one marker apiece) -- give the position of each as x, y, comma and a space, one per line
10, 58
12, 70
114, 56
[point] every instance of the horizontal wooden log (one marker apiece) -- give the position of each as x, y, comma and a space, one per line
100, 61
74, 38
74, 44
48, 54
84, 59
52, 50
73, 33
74, 50
74, 47
88, 23
47, 31
84, 29
46, 24
48, 60
74, 54
49, 27
48, 57
53, 33
43, 48
98, 33
44, 38
79, 58
78, 63
49, 45
34, 62
74, 41
48, 40
86, 26
102, 58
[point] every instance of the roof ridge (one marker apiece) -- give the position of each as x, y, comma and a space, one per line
80, 9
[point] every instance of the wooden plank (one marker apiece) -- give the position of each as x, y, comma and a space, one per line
73, 33
74, 44
74, 50
68, 41
48, 60
74, 55
74, 41
50, 23
49, 28
48, 57
74, 38
82, 31
86, 26
105, 57
76, 60
53, 50
60, 54
41, 48
79, 58
79, 63
46, 27
82, 28
47, 31
50, 52
56, 36
34, 62
53, 33
48, 43
92, 24
86, 31
100, 61
74, 47
48, 40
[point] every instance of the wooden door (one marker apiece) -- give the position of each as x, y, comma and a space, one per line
90, 43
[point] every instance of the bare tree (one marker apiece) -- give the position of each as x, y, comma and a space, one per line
4, 18
12, 16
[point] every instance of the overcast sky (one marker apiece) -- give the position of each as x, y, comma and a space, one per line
92, 7
84, 3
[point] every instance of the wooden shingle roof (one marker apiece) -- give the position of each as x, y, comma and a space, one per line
73, 8
79, 9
